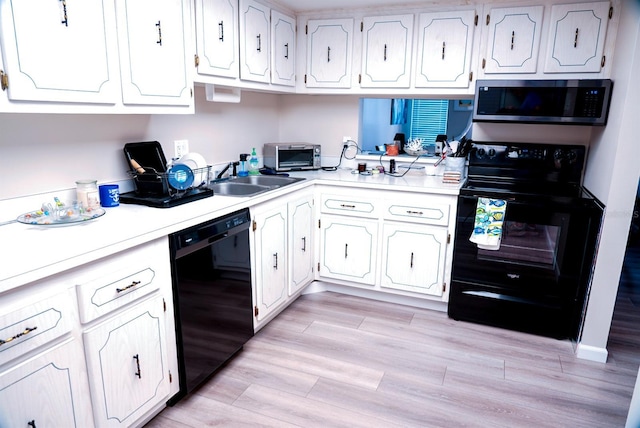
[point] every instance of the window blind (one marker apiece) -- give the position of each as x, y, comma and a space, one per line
428, 119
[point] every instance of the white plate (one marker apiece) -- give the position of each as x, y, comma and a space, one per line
195, 161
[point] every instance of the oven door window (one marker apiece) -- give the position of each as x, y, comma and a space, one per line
528, 243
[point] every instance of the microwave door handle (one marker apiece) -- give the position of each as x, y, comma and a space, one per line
298, 147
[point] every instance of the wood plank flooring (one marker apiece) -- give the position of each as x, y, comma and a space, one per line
332, 360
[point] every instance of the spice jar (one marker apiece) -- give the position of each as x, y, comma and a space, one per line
87, 193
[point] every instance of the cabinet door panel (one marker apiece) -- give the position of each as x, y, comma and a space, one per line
153, 44
271, 262
254, 44
414, 258
386, 51
301, 244
576, 37
283, 49
60, 51
217, 37
127, 364
329, 53
349, 248
444, 49
514, 40
50, 390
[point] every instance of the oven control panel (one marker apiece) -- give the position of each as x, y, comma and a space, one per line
508, 154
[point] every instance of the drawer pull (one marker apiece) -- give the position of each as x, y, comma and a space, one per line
411, 261
347, 206
414, 212
133, 284
346, 253
135, 357
304, 244
275, 261
17, 336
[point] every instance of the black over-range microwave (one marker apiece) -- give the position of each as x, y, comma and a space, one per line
569, 102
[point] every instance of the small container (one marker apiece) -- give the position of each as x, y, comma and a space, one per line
109, 195
87, 193
392, 150
243, 165
362, 167
392, 166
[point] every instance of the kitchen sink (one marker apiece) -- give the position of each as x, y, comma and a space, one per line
250, 185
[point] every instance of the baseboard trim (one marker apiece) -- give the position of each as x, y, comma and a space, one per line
592, 353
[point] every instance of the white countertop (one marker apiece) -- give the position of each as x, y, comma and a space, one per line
31, 252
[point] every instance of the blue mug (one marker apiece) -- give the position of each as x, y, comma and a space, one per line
109, 195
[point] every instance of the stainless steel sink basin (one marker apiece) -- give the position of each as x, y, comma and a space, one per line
251, 185
267, 180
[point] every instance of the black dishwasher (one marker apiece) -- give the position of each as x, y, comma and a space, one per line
211, 272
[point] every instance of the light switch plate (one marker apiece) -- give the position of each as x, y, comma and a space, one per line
181, 148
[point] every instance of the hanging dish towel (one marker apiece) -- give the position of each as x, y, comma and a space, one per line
487, 228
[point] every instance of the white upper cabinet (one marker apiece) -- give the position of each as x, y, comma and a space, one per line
577, 37
329, 53
386, 51
514, 39
255, 26
445, 41
283, 49
153, 41
217, 37
60, 51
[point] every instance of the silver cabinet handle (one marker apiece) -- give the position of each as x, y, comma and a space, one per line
411, 265
259, 36
385, 51
443, 47
513, 37
135, 357
286, 50
64, 20
275, 261
575, 40
159, 33
346, 253
221, 31
304, 244
328, 53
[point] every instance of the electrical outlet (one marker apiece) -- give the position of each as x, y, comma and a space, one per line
181, 148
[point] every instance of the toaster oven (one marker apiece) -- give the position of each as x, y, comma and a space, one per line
291, 156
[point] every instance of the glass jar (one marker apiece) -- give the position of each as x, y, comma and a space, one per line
87, 193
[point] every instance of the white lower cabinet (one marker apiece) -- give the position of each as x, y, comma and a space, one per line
387, 241
126, 358
270, 237
49, 390
283, 246
301, 243
348, 249
414, 258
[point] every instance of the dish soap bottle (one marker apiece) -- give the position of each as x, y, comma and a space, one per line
253, 163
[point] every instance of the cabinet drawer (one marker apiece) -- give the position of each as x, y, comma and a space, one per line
105, 294
428, 213
31, 326
338, 204
115, 281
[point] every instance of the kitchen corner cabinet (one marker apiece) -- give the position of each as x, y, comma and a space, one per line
283, 49
386, 51
576, 37
153, 41
217, 32
270, 267
301, 243
329, 53
445, 41
513, 39
255, 29
60, 51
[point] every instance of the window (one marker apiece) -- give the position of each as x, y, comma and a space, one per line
428, 119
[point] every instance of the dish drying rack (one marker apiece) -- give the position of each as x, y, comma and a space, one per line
151, 182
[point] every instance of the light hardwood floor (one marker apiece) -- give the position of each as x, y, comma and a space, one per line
332, 360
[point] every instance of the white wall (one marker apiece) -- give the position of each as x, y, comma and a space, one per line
48, 152
612, 175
